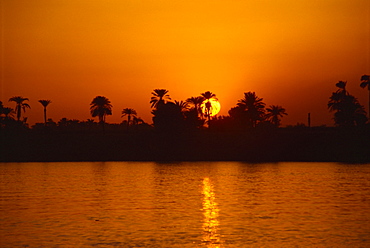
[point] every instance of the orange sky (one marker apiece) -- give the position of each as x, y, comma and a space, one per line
290, 52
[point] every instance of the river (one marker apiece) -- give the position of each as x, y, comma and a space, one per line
189, 204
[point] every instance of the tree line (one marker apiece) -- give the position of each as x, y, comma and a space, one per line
195, 112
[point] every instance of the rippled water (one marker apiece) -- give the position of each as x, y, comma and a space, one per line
203, 204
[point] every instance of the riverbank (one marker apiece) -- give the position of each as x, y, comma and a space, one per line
284, 144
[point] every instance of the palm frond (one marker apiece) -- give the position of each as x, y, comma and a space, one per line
45, 103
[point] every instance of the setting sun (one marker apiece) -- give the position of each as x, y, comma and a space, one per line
122, 50
112, 131
214, 109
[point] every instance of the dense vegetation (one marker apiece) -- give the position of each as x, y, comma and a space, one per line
186, 130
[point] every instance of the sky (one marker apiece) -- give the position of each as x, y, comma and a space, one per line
290, 52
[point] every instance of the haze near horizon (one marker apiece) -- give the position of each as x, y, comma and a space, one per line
290, 53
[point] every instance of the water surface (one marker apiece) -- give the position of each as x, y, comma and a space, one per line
202, 204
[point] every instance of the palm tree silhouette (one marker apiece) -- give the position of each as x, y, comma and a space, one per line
365, 81
6, 115
8, 112
45, 103
160, 96
129, 112
19, 105
137, 120
182, 105
196, 102
100, 106
274, 112
207, 98
336, 100
349, 111
342, 86
253, 106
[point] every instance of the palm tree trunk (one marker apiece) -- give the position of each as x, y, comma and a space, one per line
45, 115
19, 109
199, 111
368, 113
128, 120
102, 122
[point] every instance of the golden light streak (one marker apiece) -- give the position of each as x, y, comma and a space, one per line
210, 211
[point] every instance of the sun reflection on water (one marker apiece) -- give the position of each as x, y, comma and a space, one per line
211, 237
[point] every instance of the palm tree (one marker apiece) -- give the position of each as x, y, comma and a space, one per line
274, 112
253, 107
336, 100
207, 98
341, 85
19, 105
45, 103
100, 106
137, 120
168, 117
365, 81
129, 112
182, 105
159, 96
8, 112
349, 111
197, 102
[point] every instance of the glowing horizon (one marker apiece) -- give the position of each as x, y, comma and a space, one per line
288, 52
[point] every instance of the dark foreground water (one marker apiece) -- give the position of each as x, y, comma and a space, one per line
217, 204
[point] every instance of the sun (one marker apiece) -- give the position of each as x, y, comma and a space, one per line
215, 107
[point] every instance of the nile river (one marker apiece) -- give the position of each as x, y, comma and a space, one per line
202, 204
